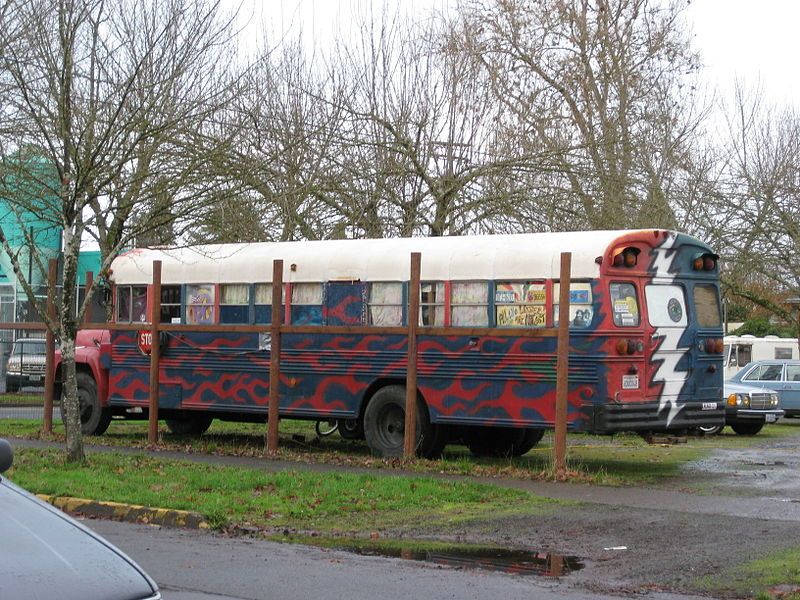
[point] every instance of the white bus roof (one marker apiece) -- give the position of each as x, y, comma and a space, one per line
513, 257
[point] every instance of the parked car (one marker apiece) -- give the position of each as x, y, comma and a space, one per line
26, 364
47, 554
782, 376
747, 409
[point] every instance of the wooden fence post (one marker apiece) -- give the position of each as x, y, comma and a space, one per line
410, 430
275, 357
562, 368
50, 348
155, 353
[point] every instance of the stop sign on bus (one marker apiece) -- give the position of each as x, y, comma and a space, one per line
144, 339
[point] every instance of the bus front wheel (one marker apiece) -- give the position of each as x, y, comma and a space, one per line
384, 425
95, 418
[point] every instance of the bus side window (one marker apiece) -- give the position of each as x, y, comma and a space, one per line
200, 304
625, 307
581, 310
306, 304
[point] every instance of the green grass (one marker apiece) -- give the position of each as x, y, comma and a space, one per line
22, 399
327, 502
622, 460
760, 578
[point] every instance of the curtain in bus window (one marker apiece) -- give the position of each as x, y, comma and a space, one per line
581, 310
386, 304
234, 301
470, 306
200, 304
139, 303
706, 305
123, 304
432, 304
520, 304
624, 304
306, 304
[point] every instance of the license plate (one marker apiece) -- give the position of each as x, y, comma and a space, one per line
35, 377
630, 382
771, 418
709, 406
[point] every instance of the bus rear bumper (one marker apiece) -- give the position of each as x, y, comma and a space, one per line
636, 416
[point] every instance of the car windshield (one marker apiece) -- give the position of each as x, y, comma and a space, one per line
28, 347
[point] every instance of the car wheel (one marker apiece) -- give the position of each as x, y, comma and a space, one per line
711, 429
747, 428
384, 425
191, 425
94, 418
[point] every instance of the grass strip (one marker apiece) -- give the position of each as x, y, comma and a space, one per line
776, 575
330, 503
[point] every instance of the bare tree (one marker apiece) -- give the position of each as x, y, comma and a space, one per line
113, 98
601, 85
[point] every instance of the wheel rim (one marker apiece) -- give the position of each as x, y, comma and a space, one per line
710, 428
391, 426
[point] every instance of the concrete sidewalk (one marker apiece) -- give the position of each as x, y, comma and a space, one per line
762, 507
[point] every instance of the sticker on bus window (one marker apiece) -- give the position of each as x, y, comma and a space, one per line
630, 382
521, 316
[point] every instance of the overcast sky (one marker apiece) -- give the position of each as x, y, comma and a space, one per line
756, 41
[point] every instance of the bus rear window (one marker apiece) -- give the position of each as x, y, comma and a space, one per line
624, 303
706, 304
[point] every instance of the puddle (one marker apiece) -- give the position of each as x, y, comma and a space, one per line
518, 562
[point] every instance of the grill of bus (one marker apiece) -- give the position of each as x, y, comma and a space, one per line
760, 400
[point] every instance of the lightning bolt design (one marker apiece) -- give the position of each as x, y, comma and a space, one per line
668, 354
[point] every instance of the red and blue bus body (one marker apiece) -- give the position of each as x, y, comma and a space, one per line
645, 344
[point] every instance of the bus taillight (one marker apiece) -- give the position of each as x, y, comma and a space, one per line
626, 257
705, 262
629, 346
712, 346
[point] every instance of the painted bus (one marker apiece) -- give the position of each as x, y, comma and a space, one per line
645, 337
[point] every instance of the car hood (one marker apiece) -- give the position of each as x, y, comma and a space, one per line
47, 554
732, 387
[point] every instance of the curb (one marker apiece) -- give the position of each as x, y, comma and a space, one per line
128, 512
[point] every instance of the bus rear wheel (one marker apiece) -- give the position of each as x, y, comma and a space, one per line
94, 418
384, 425
189, 425
501, 441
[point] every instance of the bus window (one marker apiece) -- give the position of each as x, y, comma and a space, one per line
131, 304
432, 304
234, 303
666, 305
170, 303
263, 302
200, 304
306, 304
520, 304
385, 305
625, 305
470, 304
580, 304
706, 304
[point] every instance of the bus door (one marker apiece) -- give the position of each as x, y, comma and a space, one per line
670, 344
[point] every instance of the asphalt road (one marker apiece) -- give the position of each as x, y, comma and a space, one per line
196, 565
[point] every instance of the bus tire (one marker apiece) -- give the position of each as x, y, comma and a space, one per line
747, 428
384, 425
529, 440
500, 441
95, 418
190, 425
351, 429
710, 429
